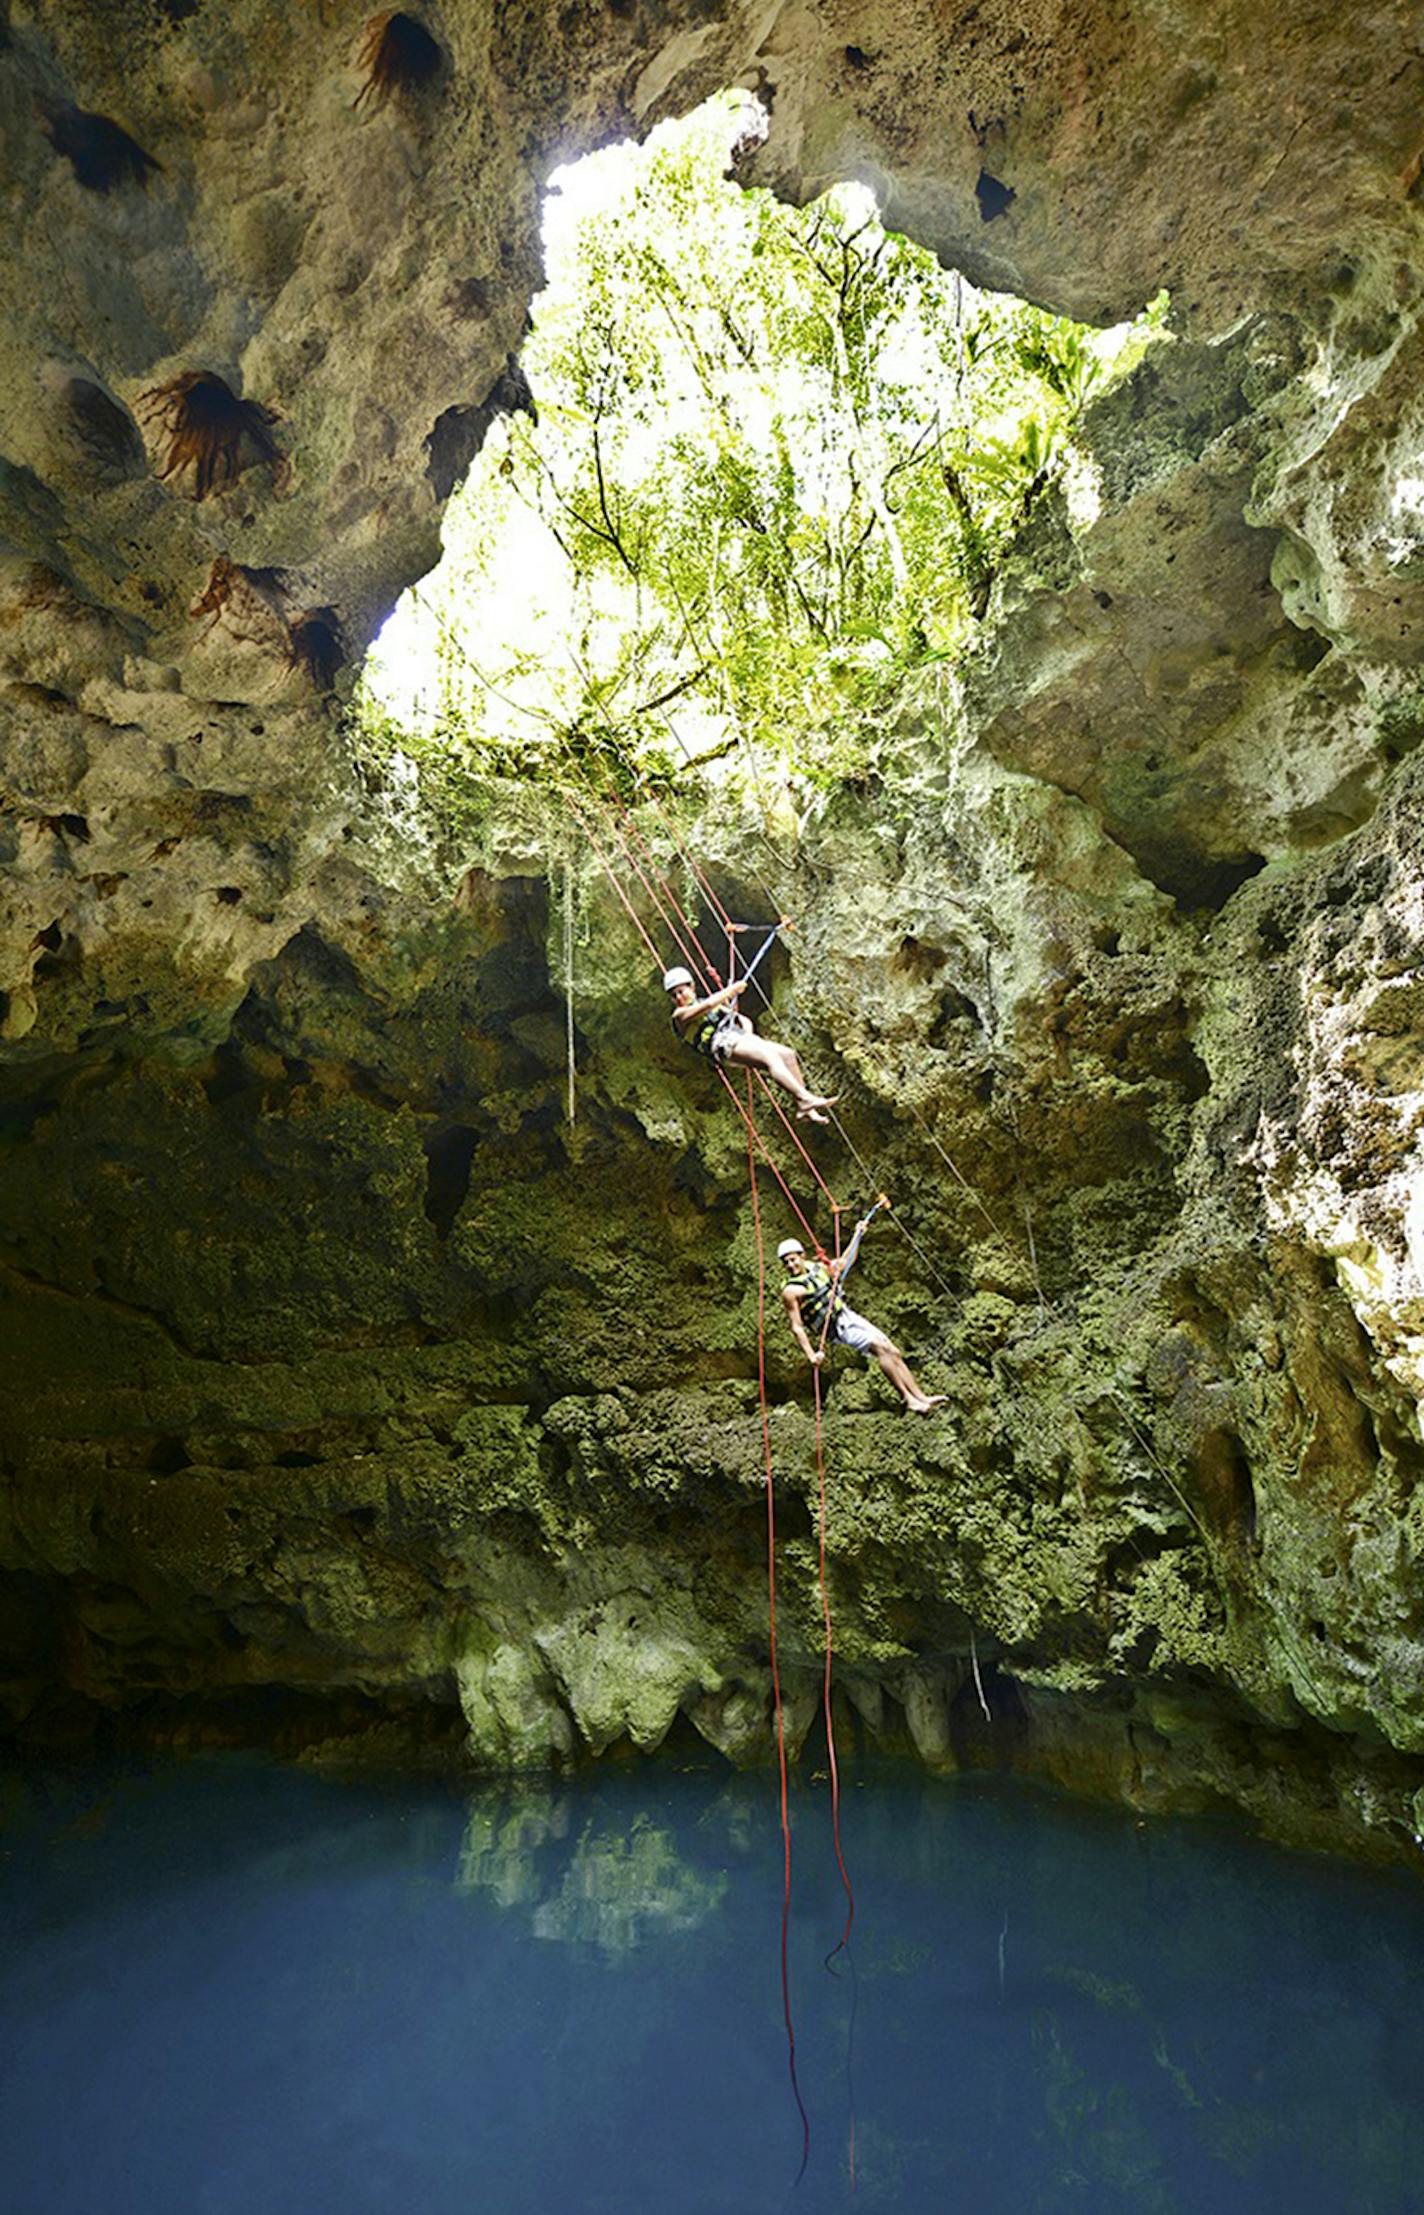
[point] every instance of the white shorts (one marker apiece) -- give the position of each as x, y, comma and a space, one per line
850, 1329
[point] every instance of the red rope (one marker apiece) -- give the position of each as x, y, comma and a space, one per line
826, 1702
704, 883
754, 1135
632, 832
755, 1144
623, 839
826, 1614
775, 1665
608, 872
796, 1140
699, 876
686, 950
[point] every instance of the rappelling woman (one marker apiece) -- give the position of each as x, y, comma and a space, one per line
716, 1027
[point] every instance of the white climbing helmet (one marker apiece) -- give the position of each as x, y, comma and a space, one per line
789, 1246
675, 977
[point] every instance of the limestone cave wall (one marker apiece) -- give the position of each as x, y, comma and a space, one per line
356, 1399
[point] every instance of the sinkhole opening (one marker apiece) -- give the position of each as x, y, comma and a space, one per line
755, 469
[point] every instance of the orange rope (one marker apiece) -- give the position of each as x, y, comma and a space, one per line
629, 834
695, 959
699, 876
775, 1665
826, 1610
632, 912
754, 1136
755, 1144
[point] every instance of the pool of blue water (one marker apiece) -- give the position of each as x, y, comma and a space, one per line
233, 1989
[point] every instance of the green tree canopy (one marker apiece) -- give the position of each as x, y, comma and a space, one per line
777, 458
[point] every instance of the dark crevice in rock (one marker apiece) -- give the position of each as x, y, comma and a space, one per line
449, 1156
399, 57
106, 432
101, 154
460, 432
169, 1457
995, 198
228, 1075
1199, 885
317, 646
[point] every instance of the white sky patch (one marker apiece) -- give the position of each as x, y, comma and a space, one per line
1406, 507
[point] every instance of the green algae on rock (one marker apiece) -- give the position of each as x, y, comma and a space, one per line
353, 1398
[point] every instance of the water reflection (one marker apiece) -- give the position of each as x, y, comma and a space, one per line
225, 1982
602, 1881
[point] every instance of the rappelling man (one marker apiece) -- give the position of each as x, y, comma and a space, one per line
812, 1294
716, 1027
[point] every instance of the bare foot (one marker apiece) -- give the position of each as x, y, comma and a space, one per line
926, 1402
811, 1115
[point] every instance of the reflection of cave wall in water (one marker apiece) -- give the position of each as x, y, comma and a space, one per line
348, 1394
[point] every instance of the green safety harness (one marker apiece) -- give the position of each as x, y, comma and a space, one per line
703, 1035
819, 1292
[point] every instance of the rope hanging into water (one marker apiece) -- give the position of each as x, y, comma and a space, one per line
775, 1663
826, 1687
690, 945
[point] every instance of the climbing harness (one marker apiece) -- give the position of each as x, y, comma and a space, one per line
822, 1299
822, 1291
710, 1034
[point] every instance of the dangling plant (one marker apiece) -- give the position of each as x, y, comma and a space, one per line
399, 58
210, 432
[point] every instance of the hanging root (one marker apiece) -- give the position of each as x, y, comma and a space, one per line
248, 603
102, 156
978, 1680
399, 57
211, 432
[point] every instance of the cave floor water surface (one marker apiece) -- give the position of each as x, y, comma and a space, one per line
232, 1987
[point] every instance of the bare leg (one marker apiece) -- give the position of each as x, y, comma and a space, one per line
781, 1065
897, 1369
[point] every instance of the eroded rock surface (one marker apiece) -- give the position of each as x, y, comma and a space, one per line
352, 1394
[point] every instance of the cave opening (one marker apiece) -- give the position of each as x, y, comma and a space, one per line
756, 469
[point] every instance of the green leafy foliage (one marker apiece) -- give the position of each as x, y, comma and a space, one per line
779, 456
